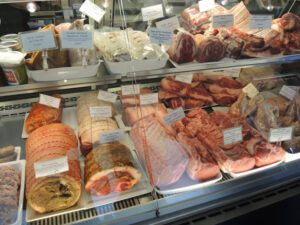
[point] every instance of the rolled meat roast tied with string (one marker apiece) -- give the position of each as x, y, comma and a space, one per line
57, 191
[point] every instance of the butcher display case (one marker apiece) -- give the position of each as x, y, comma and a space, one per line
166, 112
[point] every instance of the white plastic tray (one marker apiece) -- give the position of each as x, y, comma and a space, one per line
291, 157
135, 65
20, 166
64, 73
195, 63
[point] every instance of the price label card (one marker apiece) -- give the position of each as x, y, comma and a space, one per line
160, 36
51, 167
187, 78
148, 99
107, 96
92, 10
152, 12
206, 5
174, 116
281, 134
223, 21
76, 39
232, 135
261, 21
107, 137
133, 89
250, 90
49, 101
170, 23
100, 111
37, 41
289, 91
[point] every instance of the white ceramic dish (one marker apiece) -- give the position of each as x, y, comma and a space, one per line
20, 166
64, 73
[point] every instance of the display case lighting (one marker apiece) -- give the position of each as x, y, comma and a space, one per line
31, 7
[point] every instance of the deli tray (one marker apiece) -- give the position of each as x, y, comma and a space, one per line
291, 156
18, 151
64, 73
19, 165
196, 64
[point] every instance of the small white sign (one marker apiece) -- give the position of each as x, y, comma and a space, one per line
170, 23
174, 116
187, 78
76, 39
232, 135
107, 137
148, 99
250, 90
92, 10
289, 91
223, 21
206, 5
261, 21
234, 72
49, 101
37, 41
133, 89
152, 12
281, 134
100, 111
107, 96
51, 167
160, 36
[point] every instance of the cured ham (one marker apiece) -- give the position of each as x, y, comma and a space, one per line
164, 157
58, 191
186, 103
110, 168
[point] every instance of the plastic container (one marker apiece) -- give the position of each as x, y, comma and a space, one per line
13, 66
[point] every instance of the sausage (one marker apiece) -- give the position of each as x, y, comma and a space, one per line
6, 151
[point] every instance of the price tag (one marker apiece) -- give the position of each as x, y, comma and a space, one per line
187, 78
49, 101
250, 90
281, 134
51, 167
133, 89
234, 72
116, 135
261, 21
76, 39
160, 36
289, 91
206, 5
107, 96
232, 135
37, 41
100, 111
92, 10
174, 116
223, 21
152, 12
148, 99
170, 23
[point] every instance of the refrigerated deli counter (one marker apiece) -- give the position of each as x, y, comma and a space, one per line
190, 117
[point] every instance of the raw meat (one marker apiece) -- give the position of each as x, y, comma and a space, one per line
186, 103
233, 44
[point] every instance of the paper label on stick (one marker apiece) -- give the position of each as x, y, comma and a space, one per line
232, 135
289, 91
37, 41
206, 5
76, 39
187, 78
152, 12
250, 90
160, 36
100, 111
261, 21
148, 99
133, 89
174, 116
170, 23
51, 167
107, 137
223, 21
49, 101
281, 134
90, 9
107, 96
